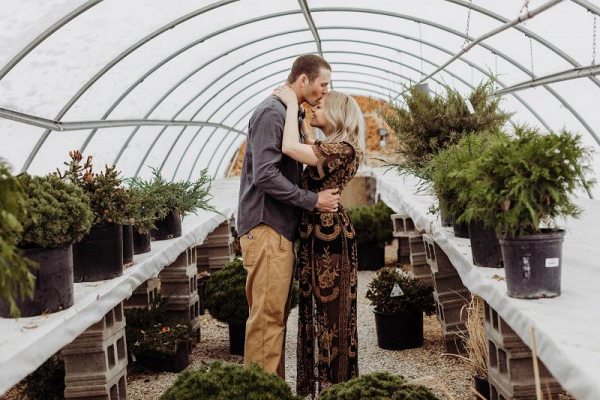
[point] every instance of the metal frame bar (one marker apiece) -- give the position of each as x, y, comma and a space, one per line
311, 24
457, 2
114, 62
47, 33
64, 126
493, 32
570, 74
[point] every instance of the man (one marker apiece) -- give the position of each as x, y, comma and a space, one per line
268, 213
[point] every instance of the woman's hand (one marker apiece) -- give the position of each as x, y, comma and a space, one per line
286, 94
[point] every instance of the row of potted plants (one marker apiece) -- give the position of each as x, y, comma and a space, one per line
506, 189
78, 225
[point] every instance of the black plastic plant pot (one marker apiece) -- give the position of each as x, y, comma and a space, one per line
371, 256
127, 244
99, 256
485, 246
170, 362
533, 264
399, 331
482, 386
461, 230
202, 293
167, 228
237, 339
142, 242
53, 289
446, 219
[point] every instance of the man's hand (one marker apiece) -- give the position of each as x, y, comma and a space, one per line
328, 201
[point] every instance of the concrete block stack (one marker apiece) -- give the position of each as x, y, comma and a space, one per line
411, 250
217, 249
143, 295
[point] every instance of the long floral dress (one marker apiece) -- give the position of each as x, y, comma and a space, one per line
327, 350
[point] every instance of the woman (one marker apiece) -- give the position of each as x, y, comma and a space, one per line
328, 260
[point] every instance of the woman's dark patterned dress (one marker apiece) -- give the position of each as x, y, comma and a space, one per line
327, 338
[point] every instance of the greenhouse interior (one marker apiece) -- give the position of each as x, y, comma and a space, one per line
299, 199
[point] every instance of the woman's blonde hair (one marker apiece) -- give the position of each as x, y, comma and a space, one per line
346, 118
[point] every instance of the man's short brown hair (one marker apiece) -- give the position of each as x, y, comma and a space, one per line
308, 64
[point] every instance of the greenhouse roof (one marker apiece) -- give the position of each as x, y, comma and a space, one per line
171, 84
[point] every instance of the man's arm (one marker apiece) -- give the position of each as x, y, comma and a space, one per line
266, 138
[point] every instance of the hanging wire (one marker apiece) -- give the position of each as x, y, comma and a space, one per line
466, 42
421, 45
524, 7
531, 56
594, 43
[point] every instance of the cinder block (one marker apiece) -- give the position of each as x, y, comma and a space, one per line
451, 312
115, 389
454, 343
96, 361
403, 250
174, 283
498, 330
403, 226
143, 295
449, 286
436, 257
183, 307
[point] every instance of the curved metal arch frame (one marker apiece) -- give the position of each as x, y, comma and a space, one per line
345, 52
393, 61
457, 2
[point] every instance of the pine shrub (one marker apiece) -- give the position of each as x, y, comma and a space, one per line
377, 386
416, 296
58, 213
221, 381
523, 185
372, 223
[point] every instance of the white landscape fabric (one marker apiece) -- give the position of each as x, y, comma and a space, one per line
25, 343
567, 328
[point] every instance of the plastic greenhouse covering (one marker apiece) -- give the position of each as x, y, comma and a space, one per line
171, 84
212, 62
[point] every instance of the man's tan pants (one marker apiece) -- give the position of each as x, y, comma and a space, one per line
269, 260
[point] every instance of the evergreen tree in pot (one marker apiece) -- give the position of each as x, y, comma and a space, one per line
16, 280
377, 385
426, 124
399, 302
99, 255
58, 214
374, 229
226, 301
142, 214
220, 381
454, 192
521, 187
177, 199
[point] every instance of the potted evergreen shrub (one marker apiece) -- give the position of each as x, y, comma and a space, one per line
399, 303
521, 187
454, 192
178, 199
142, 214
226, 301
16, 280
220, 381
377, 385
58, 215
374, 229
99, 255
155, 344
425, 124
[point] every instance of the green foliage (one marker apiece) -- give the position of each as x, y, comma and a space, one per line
143, 209
427, 124
221, 381
519, 185
48, 381
182, 197
372, 223
226, 294
417, 295
108, 199
15, 278
377, 386
148, 335
453, 190
58, 212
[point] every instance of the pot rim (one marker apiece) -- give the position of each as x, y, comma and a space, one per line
546, 234
396, 313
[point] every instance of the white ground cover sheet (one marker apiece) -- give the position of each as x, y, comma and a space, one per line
567, 328
25, 343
